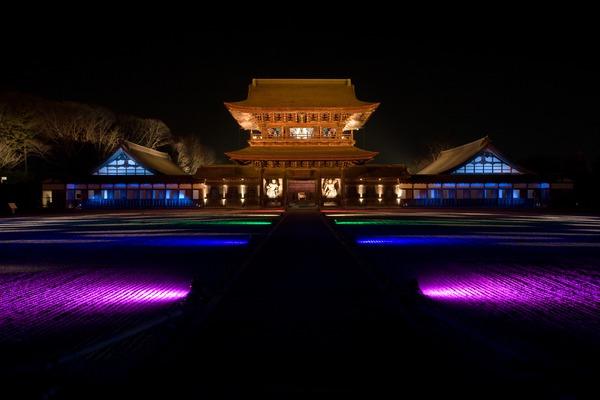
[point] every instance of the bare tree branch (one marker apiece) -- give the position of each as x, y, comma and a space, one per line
434, 150
151, 133
77, 136
73, 126
9, 158
192, 154
18, 130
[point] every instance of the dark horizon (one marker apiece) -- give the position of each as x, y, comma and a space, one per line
535, 96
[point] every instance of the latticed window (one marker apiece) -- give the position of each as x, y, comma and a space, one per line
313, 117
325, 117
274, 132
290, 117
121, 164
301, 133
329, 132
277, 117
486, 163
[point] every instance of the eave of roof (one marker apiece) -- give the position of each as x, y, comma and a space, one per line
156, 161
451, 158
298, 153
455, 157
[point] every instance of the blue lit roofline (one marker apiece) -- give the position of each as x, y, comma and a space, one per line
502, 161
120, 151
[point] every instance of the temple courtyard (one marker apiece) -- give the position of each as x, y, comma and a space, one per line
224, 303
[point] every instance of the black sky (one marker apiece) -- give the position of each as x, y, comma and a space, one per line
535, 93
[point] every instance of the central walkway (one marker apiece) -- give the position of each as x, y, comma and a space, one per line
302, 317
303, 314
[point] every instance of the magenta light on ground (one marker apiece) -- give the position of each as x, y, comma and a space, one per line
522, 289
142, 295
60, 299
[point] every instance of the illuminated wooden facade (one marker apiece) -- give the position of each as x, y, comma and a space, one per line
301, 137
301, 123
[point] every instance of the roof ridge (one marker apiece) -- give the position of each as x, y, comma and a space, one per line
145, 149
345, 81
483, 139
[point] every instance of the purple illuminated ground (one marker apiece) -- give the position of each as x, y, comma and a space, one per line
67, 282
510, 300
525, 282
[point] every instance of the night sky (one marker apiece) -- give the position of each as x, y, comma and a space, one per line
535, 94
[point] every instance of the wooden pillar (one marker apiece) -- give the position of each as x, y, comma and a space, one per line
260, 185
318, 186
285, 185
342, 187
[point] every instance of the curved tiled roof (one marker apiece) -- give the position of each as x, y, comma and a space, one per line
301, 93
152, 159
451, 158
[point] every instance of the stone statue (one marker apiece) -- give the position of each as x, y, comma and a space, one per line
329, 190
273, 189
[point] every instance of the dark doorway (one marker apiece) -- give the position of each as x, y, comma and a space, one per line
302, 193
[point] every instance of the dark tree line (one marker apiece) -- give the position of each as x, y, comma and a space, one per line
69, 138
